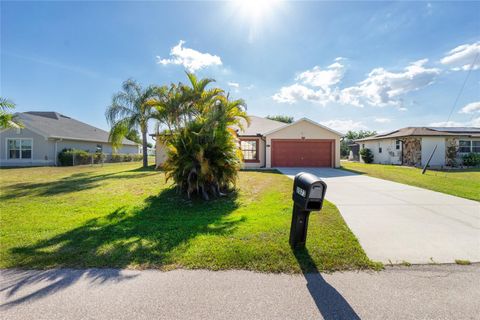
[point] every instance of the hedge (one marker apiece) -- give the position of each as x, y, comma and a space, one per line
70, 157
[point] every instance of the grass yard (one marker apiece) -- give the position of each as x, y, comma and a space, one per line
461, 183
120, 215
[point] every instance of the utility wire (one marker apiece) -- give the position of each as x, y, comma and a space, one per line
462, 87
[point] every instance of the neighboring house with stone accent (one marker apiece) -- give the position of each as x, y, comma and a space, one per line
412, 146
45, 134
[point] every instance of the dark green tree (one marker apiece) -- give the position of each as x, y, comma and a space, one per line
349, 138
281, 118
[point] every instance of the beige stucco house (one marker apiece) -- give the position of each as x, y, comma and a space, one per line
45, 134
267, 143
413, 146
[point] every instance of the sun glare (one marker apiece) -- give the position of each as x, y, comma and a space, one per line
256, 8
256, 14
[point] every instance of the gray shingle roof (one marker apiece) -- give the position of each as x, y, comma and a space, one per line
259, 125
56, 125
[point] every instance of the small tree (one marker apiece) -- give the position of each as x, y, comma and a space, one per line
367, 155
281, 118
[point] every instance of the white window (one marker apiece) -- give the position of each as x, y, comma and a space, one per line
19, 148
467, 146
249, 149
398, 144
476, 146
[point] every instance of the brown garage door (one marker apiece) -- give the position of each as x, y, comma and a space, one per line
302, 153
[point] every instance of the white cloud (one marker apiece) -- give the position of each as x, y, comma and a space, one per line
296, 92
344, 125
475, 122
471, 107
324, 79
472, 123
382, 120
190, 59
402, 109
382, 87
234, 84
446, 124
462, 57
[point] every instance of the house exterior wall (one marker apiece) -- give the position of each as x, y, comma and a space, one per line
389, 154
42, 148
428, 144
303, 130
45, 151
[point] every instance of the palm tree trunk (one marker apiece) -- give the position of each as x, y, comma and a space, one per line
144, 148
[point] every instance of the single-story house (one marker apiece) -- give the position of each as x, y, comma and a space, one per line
45, 134
413, 146
267, 143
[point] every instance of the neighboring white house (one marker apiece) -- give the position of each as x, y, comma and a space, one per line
45, 134
267, 143
413, 146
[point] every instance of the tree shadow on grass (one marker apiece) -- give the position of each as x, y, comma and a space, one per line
330, 302
73, 183
151, 236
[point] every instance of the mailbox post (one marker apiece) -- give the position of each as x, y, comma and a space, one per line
308, 194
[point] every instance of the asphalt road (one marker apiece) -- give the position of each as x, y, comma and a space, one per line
417, 292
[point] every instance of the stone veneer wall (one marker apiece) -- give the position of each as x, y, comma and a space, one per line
412, 151
451, 142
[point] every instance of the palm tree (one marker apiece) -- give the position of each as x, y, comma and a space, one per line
7, 119
203, 156
131, 109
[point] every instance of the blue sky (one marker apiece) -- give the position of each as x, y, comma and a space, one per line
349, 65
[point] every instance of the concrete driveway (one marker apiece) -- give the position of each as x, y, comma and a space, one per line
396, 222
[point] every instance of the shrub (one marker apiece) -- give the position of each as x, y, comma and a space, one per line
137, 157
116, 158
70, 157
471, 159
126, 157
99, 157
367, 155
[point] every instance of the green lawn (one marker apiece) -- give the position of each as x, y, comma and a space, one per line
120, 215
461, 183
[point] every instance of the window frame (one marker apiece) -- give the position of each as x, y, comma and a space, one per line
477, 146
469, 146
7, 153
398, 144
257, 147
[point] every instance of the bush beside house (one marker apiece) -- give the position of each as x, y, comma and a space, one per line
75, 157
471, 160
367, 155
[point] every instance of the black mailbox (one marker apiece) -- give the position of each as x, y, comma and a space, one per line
308, 194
